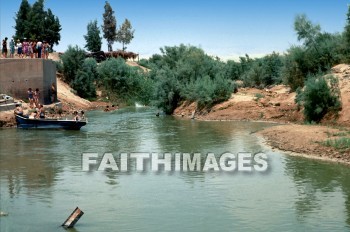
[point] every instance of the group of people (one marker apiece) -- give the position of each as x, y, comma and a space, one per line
37, 108
33, 97
38, 112
107, 109
25, 48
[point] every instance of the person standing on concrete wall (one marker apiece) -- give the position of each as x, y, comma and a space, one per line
35, 50
19, 49
30, 49
4, 47
39, 46
25, 48
12, 48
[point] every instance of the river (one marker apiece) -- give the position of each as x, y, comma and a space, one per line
42, 181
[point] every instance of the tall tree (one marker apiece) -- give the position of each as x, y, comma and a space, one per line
347, 33
125, 33
33, 22
36, 20
21, 27
109, 26
347, 26
306, 30
52, 28
93, 38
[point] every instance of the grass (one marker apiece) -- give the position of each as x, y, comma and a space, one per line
342, 143
258, 96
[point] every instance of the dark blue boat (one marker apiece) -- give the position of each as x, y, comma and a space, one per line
28, 123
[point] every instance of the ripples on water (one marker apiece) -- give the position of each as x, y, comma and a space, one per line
42, 182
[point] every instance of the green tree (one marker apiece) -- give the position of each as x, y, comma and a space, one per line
85, 78
167, 91
125, 33
347, 36
293, 76
93, 38
124, 82
72, 61
306, 30
33, 22
52, 28
21, 27
347, 27
109, 26
320, 97
36, 20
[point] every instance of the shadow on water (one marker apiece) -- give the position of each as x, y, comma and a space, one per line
312, 178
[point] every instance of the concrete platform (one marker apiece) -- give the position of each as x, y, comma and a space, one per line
17, 75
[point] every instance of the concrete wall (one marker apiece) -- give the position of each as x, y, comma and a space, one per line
17, 75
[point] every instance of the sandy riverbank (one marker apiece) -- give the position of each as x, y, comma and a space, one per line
277, 104
307, 141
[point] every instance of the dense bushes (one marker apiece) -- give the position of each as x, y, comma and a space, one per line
187, 73
72, 60
183, 73
84, 82
320, 96
124, 82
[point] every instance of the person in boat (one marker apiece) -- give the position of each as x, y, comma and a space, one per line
18, 110
41, 112
31, 98
36, 97
82, 113
76, 116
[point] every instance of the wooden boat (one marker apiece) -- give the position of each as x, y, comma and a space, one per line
28, 123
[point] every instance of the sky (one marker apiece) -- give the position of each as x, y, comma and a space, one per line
224, 28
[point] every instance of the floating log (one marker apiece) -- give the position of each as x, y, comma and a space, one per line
73, 218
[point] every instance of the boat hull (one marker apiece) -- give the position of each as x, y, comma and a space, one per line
27, 123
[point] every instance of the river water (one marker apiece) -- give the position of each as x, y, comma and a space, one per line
42, 181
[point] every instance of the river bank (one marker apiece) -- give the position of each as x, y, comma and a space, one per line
310, 141
68, 102
277, 104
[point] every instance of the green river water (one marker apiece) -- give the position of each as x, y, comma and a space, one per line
42, 181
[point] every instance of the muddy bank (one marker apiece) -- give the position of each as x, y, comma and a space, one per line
307, 141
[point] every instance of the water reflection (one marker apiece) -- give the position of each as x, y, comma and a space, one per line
313, 181
25, 164
41, 177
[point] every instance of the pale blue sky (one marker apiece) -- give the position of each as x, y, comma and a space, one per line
224, 28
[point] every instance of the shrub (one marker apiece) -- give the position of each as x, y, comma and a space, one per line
128, 84
84, 82
167, 91
319, 99
59, 66
72, 61
84, 85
